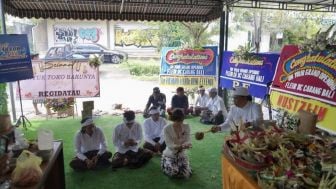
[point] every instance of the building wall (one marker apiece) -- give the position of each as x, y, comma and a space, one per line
76, 32
40, 37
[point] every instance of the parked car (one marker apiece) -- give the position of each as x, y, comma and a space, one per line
109, 56
83, 51
62, 53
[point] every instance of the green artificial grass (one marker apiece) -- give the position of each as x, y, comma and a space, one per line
205, 159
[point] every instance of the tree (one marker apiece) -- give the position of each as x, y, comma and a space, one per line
294, 27
176, 34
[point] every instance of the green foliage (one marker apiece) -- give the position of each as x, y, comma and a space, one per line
191, 35
321, 41
143, 67
3, 99
246, 53
295, 26
95, 60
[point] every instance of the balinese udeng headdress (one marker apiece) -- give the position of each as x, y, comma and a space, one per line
154, 111
87, 122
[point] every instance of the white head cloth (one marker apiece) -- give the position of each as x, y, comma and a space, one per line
154, 111
87, 122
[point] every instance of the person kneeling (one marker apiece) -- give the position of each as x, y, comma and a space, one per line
126, 137
153, 131
174, 161
90, 147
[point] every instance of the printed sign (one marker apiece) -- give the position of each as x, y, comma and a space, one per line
15, 63
188, 67
308, 74
306, 81
253, 74
58, 79
188, 81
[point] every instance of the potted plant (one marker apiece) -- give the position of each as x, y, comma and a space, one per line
5, 121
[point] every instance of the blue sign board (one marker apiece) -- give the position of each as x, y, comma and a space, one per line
254, 74
15, 62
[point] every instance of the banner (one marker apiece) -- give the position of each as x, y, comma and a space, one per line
306, 81
308, 74
188, 67
188, 81
15, 63
255, 75
58, 79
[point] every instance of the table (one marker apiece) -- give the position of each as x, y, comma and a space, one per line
234, 177
53, 171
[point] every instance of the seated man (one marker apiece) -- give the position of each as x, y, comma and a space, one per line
127, 137
201, 101
180, 101
153, 131
156, 99
243, 114
215, 110
90, 147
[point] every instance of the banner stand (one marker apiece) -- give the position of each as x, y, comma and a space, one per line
22, 119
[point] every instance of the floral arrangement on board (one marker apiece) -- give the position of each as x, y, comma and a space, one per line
3, 99
287, 120
321, 41
95, 60
60, 104
246, 53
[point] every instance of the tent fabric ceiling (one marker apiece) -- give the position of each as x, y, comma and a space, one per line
295, 5
151, 10
154, 10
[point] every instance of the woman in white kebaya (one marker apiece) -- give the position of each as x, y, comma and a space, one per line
174, 161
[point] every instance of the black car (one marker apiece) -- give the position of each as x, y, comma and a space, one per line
62, 53
109, 56
83, 51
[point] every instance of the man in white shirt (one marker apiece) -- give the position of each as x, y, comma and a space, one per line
201, 101
127, 137
243, 114
215, 111
153, 131
90, 147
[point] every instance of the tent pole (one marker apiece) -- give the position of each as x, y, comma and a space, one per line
4, 31
223, 45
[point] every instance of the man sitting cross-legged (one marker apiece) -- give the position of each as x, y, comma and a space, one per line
90, 146
126, 137
153, 131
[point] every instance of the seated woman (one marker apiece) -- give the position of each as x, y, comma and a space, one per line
90, 147
174, 161
127, 137
153, 131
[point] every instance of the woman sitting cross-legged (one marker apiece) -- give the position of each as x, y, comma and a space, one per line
127, 137
174, 161
90, 147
